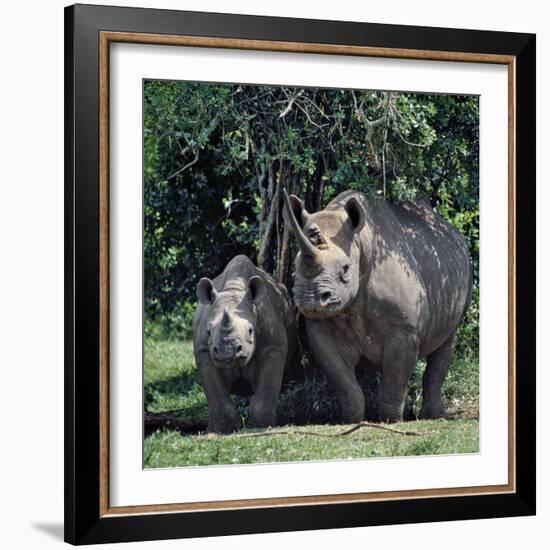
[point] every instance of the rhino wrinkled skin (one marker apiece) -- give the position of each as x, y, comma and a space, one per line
243, 336
379, 284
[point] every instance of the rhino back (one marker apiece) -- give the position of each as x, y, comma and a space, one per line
433, 254
443, 260
416, 269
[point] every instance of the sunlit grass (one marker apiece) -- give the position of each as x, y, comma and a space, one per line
172, 384
170, 449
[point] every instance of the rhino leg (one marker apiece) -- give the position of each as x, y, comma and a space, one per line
221, 408
398, 362
349, 392
339, 370
434, 375
263, 404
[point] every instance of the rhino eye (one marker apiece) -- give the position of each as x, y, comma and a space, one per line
208, 332
250, 331
344, 276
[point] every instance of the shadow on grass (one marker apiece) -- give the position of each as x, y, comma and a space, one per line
179, 384
309, 400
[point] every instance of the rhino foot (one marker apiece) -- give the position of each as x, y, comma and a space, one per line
390, 415
261, 414
222, 420
220, 428
431, 412
260, 423
352, 417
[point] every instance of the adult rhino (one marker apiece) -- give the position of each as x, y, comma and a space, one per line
382, 284
243, 336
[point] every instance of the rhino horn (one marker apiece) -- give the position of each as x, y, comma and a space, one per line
306, 247
226, 319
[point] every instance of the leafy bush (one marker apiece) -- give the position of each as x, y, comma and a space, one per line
216, 157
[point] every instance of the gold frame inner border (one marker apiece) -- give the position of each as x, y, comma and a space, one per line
108, 37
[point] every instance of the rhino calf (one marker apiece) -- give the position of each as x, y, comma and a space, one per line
382, 284
243, 336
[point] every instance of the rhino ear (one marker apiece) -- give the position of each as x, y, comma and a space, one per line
256, 288
356, 214
206, 293
300, 213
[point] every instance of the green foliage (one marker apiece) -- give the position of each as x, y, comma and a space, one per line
467, 339
217, 155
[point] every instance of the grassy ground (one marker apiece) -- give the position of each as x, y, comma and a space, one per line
171, 379
172, 384
169, 449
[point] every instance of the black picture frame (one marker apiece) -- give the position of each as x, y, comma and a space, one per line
84, 523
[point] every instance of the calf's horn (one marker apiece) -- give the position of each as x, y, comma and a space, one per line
226, 319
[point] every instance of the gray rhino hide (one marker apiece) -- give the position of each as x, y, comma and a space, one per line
243, 336
382, 284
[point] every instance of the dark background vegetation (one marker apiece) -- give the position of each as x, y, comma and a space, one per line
216, 159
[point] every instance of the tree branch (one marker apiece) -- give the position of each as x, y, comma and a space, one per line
286, 110
188, 165
348, 431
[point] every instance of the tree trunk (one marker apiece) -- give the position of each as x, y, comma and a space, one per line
316, 188
281, 184
284, 264
265, 254
261, 176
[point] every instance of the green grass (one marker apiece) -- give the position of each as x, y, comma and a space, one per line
172, 384
169, 449
171, 379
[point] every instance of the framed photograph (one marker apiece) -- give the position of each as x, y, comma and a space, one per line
299, 274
